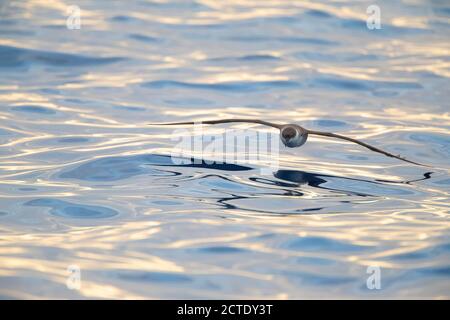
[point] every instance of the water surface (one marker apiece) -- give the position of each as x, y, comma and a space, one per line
85, 182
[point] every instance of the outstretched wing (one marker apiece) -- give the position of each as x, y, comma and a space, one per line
265, 123
368, 146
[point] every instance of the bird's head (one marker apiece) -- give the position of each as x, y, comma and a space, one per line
293, 135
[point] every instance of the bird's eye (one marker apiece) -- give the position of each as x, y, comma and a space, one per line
288, 133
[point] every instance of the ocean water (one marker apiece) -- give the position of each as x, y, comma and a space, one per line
93, 206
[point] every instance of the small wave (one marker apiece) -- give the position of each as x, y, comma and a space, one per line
321, 244
302, 40
11, 57
143, 38
141, 276
118, 168
364, 85
336, 56
34, 109
72, 210
244, 86
248, 58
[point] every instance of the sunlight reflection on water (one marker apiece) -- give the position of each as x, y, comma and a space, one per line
84, 180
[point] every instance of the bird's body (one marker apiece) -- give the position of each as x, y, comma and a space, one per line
293, 135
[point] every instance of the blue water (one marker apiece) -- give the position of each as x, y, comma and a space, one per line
85, 182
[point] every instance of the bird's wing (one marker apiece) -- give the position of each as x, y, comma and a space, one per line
270, 124
368, 146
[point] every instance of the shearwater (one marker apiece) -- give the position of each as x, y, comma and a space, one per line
293, 135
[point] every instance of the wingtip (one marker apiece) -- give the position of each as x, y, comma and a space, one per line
416, 163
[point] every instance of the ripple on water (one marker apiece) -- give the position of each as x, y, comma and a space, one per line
220, 250
73, 140
217, 182
423, 254
189, 102
143, 38
142, 276
330, 123
318, 13
328, 182
73, 122
443, 182
315, 261
8, 135
67, 209
237, 86
339, 57
34, 109
248, 58
434, 271
440, 141
16, 57
390, 30
321, 244
123, 167
27, 189
313, 279
301, 40
363, 85
167, 203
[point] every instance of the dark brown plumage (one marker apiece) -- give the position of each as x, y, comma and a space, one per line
288, 132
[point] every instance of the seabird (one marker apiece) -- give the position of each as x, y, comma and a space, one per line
293, 135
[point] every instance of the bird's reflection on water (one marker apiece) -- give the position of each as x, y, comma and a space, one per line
227, 190
317, 180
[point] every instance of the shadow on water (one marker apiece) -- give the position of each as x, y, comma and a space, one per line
67, 209
317, 180
287, 183
11, 56
123, 167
